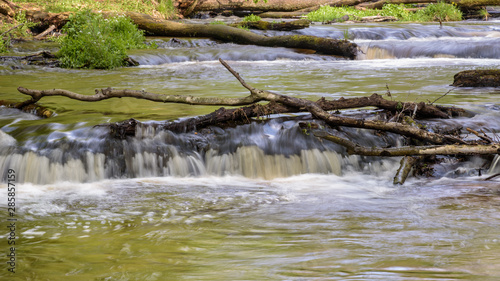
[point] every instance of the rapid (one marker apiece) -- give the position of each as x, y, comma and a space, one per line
262, 201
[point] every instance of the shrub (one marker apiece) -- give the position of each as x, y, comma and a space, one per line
441, 12
95, 42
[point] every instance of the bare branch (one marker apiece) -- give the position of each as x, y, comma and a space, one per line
354, 148
108, 93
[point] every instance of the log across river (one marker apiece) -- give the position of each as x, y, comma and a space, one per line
262, 201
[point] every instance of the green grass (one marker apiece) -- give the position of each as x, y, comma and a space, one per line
95, 42
159, 8
433, 12
251, 18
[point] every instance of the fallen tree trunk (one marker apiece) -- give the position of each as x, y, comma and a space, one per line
462, 4
281, 26
236, 35
272, 5
222, 33
43, 58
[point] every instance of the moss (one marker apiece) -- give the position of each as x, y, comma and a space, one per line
477, 78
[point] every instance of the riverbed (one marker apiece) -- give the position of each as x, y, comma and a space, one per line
262, 201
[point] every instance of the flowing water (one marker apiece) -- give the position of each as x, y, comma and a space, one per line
256, 202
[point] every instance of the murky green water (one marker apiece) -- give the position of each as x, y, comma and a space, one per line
348, 225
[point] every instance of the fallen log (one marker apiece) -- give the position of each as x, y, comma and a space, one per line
281, 26
462, 4
42, 58
477, 78
226, 33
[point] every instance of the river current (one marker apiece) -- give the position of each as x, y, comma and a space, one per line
262, 201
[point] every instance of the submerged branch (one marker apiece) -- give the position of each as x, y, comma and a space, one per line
465, 149
333, 120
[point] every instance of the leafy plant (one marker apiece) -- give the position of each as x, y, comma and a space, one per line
95, 42
484, 13
3, 45
441, 12
251, 18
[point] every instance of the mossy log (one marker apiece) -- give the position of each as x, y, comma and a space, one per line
226, 33
462, 4
281, 26
31, 108
477, 78
43, 58
271, 5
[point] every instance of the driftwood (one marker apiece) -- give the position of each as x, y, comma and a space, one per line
406, 165
451, 149
477, 78
433, 143
317, 109
45, 33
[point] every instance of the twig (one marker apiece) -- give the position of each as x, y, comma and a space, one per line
483, 137
441, 96
12, 28
492, 177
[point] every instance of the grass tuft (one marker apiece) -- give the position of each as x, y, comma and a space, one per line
433, 12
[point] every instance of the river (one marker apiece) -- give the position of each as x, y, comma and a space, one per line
256, 202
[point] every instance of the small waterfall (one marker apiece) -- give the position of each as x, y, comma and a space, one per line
250, 162
432, 48
269, 150
495, 165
